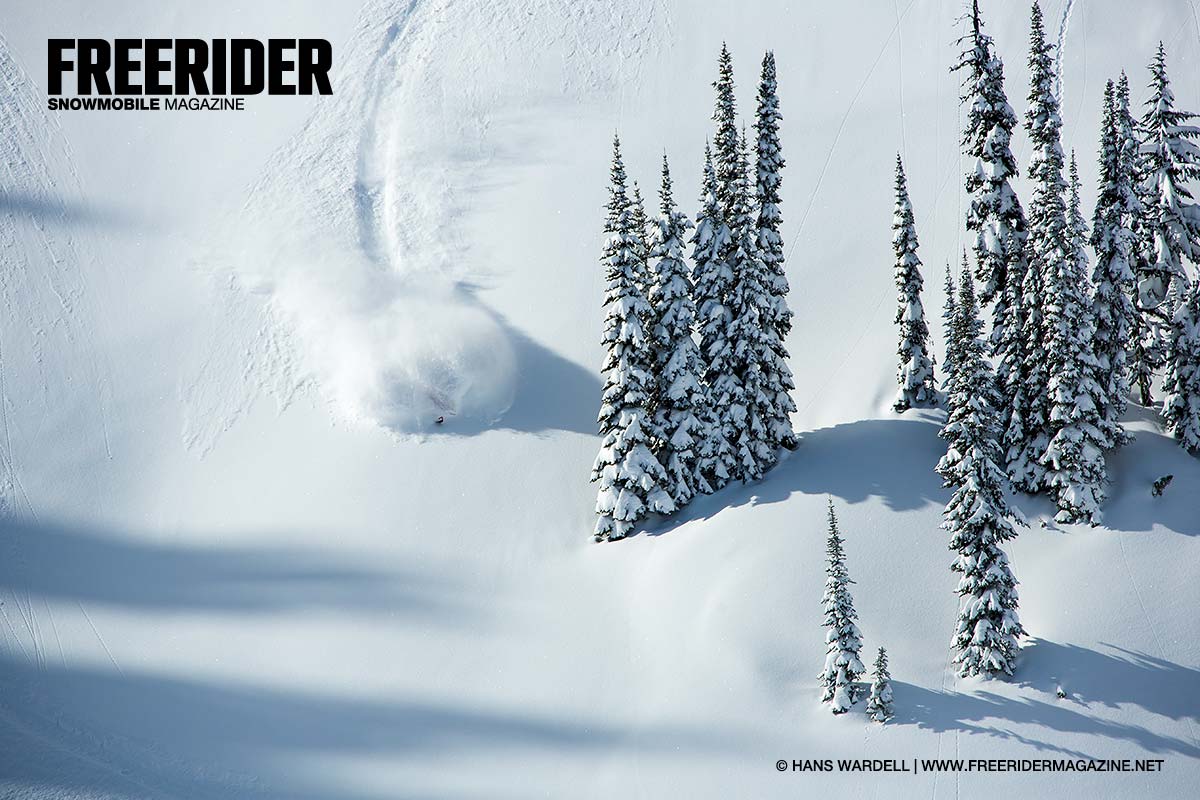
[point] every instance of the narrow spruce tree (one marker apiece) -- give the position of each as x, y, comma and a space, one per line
1077, 228
994, 214
778, 381
1171, 219
737, 390
750, 306
1181, 387
631, 478
966, 328
915, 373
843, 639
977, 516
1146, 351
949, 307
641, 234
1113, 312
727, 156
712, 283
681, 401
1074, 458
1171, 159
1018, 376
1047, 250
1001, 231
880, 705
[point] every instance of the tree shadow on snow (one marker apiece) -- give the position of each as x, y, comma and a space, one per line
1124, 677
59, 562
161, 736
1088, 677
47, 209
892, 459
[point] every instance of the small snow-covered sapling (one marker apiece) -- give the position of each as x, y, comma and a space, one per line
879, 704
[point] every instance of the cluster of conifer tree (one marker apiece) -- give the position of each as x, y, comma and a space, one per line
697, 387
1038, 402
840, 686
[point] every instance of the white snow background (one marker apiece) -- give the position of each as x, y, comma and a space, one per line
237, 559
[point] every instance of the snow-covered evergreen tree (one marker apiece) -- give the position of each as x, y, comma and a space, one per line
1146, 349
966, 329
843, 639
1171, 158
778, 381
750, 305
994, 215
727, 156
1113, 312
1074, 458
712, 282
977, 516
915, 374
1047, 251
1017, 372
1077, 228
1181, 388
681, 401
631, 478
949, 307
880, 705
641, 235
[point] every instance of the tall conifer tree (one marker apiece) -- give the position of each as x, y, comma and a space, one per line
640, 227
727, 157
915, 374
750, 306
724, 353
681, 401
1074, 458
778, 381
631, 478
986, 637
966, 331
1181, 387
1047, 250
1113, 240
713, 281
1171, 159
994, 215
1146, 352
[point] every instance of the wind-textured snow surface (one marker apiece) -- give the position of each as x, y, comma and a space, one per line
239, 561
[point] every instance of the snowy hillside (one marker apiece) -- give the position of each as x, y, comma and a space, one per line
239, 560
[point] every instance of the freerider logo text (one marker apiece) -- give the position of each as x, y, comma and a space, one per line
181, 74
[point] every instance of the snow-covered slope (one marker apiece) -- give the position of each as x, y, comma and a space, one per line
238, 560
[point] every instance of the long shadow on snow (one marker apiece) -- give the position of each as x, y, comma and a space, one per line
178, 732
892, 459
1124, 677
990, 714
60, 562
552, 392
51, 210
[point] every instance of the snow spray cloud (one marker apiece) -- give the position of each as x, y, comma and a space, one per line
351, 232
388, 353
